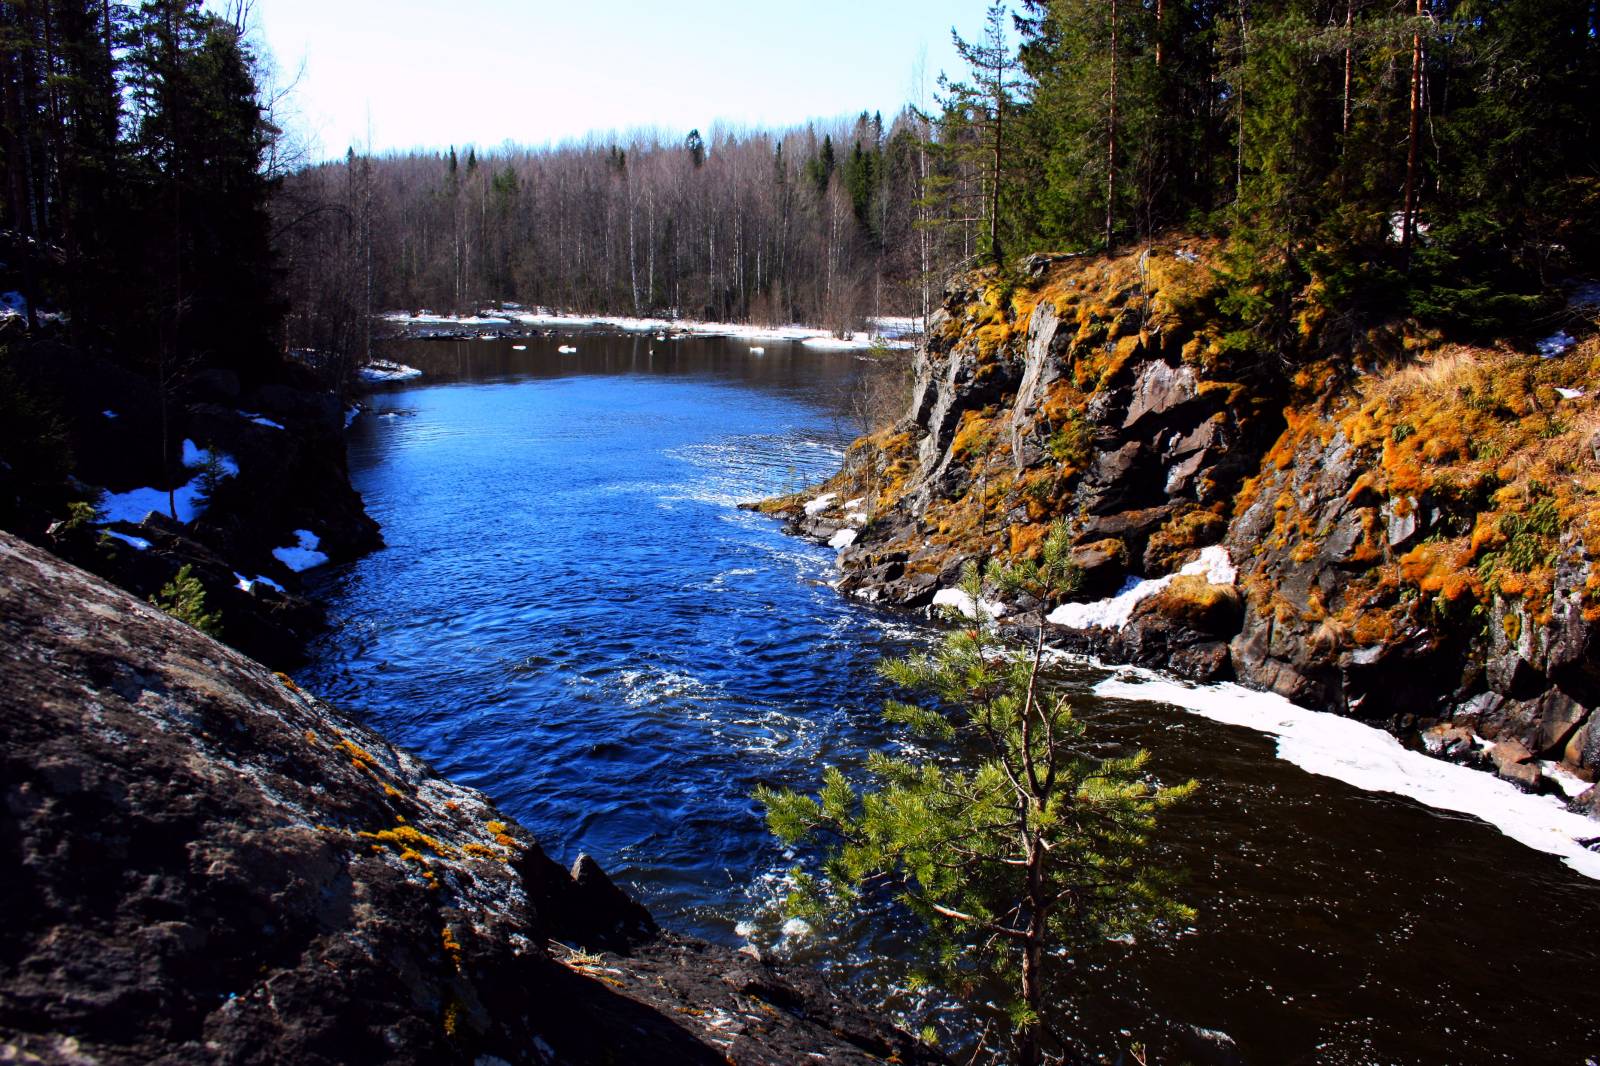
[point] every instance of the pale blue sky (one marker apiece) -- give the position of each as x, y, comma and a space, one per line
534, 71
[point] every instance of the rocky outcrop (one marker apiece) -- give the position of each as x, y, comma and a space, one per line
1415, 525
207, 864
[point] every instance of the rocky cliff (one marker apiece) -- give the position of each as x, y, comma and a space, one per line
1410, 526
204, 863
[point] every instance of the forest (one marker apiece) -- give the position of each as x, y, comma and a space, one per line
1363, 158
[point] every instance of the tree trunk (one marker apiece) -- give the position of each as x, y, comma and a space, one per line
1349, 61
1111, 138
1408, 221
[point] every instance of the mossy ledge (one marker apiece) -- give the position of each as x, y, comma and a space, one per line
1415, 522
205, 864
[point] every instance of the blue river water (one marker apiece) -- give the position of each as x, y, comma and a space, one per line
573, 615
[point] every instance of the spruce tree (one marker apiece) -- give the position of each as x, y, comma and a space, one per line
1034, 845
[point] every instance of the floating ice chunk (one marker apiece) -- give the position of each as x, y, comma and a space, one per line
350, 415
1555, 344
757, 351
842, 539
384, 370
108, 413
519, 347
137, 542
1374, 761
963, 603
304, 555
1113, 613
1569, 394
567, 349
821, 503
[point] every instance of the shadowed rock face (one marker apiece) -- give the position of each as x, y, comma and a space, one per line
206, 864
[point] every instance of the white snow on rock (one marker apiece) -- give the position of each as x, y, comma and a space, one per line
1569, 394
1556, 344
1570, 783
186, 499
304, 555
888, 331
856, 518
196, 457
384, 370
842, 539
137, 542
1113, 613
248, 584
1372, 760
820, 504
262, 420
959, 600
796, 928
350, 415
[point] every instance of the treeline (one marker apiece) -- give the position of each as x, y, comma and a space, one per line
826, 225
1433, 157
134, 157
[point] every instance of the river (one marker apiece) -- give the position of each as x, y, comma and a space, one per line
573, 616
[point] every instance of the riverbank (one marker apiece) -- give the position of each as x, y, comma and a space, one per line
215, 864
1407, 526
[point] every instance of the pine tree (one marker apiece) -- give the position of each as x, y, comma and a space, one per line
975, 121
1039, 845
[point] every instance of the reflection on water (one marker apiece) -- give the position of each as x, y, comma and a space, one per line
572, 616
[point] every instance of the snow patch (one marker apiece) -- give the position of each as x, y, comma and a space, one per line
1372, 760
1569, 394
350, 415
821, 503
856, 518
109, 413
426, 318
1570, 783
959, 600
137, 542
263, 420
302, 556
1113, 613
196, 457
248, 584
796, 928
842, 539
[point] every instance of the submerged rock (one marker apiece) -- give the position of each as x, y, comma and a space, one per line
208, 864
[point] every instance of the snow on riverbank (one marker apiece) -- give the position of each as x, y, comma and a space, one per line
1114, 613
380, 370
1372, 760
187, 499
891, 332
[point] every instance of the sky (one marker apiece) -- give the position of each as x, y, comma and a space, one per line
430, 74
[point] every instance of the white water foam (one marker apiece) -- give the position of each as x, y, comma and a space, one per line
1372, 760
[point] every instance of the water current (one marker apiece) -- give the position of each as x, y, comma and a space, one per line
573, 615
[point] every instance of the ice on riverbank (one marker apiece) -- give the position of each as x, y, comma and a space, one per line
1373, 761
